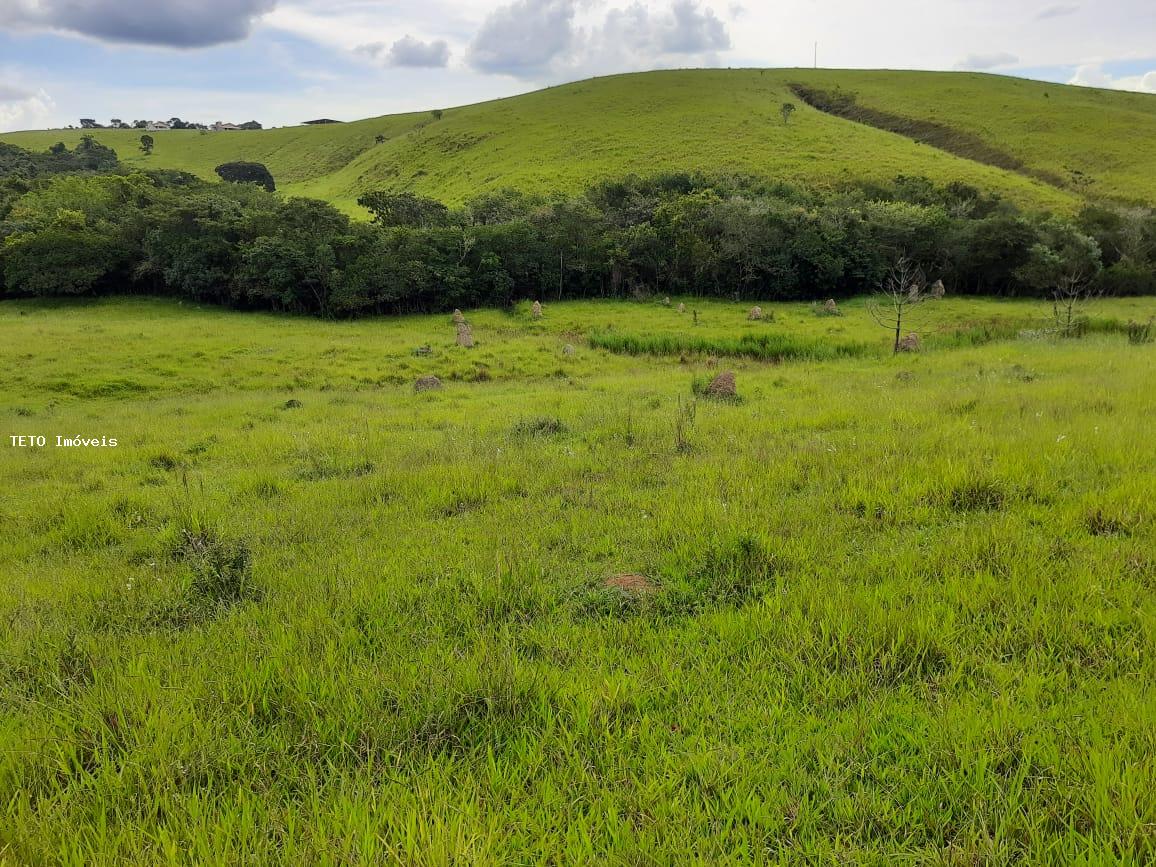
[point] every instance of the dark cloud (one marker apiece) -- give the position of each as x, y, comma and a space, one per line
693, 30
980, 62
1057, 11
523, 37
174, 23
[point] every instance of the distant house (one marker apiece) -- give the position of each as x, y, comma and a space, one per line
156, 125
223, 127
322, 120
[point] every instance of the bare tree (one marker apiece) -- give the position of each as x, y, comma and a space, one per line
1071, 296
902, 288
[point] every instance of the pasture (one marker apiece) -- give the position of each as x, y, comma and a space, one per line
879, 609
1095, 142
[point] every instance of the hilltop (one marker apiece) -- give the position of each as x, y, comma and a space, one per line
1068, 143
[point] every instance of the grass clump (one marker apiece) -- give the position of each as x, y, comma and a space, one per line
977, 495
732, 573
729, 573
1100, 524
221, 569
1139, 333
164, 461
541, 427
320, 467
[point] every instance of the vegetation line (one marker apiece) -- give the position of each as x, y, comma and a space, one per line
940, 136
765, 347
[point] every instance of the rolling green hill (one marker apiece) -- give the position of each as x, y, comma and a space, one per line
1086, 142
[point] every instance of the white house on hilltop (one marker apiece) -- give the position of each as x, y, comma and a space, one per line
221, 127
156, 125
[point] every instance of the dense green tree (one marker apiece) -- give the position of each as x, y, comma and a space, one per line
1061, 257
246, 173
403, 209
64, 257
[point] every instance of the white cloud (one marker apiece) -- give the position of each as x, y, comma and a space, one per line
23, 109
523, 38
408, 51
691, 30
556, 39
1093, 75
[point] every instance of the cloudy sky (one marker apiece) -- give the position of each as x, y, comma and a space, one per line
285, 61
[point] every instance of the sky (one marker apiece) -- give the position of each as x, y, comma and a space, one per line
286, 61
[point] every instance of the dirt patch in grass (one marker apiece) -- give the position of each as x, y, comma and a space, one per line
630, 582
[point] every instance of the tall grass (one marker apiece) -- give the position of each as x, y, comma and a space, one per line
764, 347
896, 609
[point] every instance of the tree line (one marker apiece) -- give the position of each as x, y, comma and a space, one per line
77, 222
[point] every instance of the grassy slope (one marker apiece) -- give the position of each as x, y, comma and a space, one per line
950, 656
714, 120
1106, 135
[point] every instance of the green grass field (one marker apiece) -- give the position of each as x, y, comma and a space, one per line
716, 120
895, 609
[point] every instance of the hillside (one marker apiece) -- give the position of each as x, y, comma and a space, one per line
1092, 142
